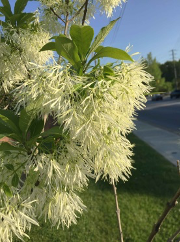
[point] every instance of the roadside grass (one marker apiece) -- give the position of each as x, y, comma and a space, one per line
142, 199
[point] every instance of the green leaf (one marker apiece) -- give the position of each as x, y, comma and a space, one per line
8, 123
20, 6
25, 120
67, 49
4, 24
55, 131
47, 146
13, 19
101, 36
36, 127
111, 52
5, 121
15, 137
54, 37
99, 48
7, 190
7, 6
108, 71
25, 18
15, 180
9, 167
4, 146
5, 12
10, 115
34, 131
49, 46
82, 36
4, 131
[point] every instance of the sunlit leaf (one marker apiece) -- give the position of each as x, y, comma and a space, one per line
111, 52
7, 6
20, 6
82, 36
102, 35
49, 46
5, 12
25, 18
67, 49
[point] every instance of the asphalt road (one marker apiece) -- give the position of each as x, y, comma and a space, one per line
164, 114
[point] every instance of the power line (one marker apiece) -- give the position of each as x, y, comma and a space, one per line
175, 71
121, 14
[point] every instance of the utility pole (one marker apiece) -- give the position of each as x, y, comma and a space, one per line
175, 71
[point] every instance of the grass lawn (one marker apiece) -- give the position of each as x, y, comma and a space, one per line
141, 199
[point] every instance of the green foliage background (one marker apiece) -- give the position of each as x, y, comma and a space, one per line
163, 74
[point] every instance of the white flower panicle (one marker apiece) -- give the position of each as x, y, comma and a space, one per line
16, 217
19, 49
47, 189
63, 208
49, 3
108, 6
89, 117
50, 22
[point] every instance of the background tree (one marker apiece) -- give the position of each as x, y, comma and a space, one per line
168, 72
153, 67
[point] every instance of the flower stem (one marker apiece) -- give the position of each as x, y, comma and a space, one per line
118, 212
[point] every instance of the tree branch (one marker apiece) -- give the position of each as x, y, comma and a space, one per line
66, 24
169, 206
75, 15
85, 12
57, 15
118, 213
174, 236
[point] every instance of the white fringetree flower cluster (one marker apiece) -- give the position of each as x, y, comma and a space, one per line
20, 49
71, 118
84, 106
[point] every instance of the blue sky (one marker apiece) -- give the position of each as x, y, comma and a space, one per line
148, 25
